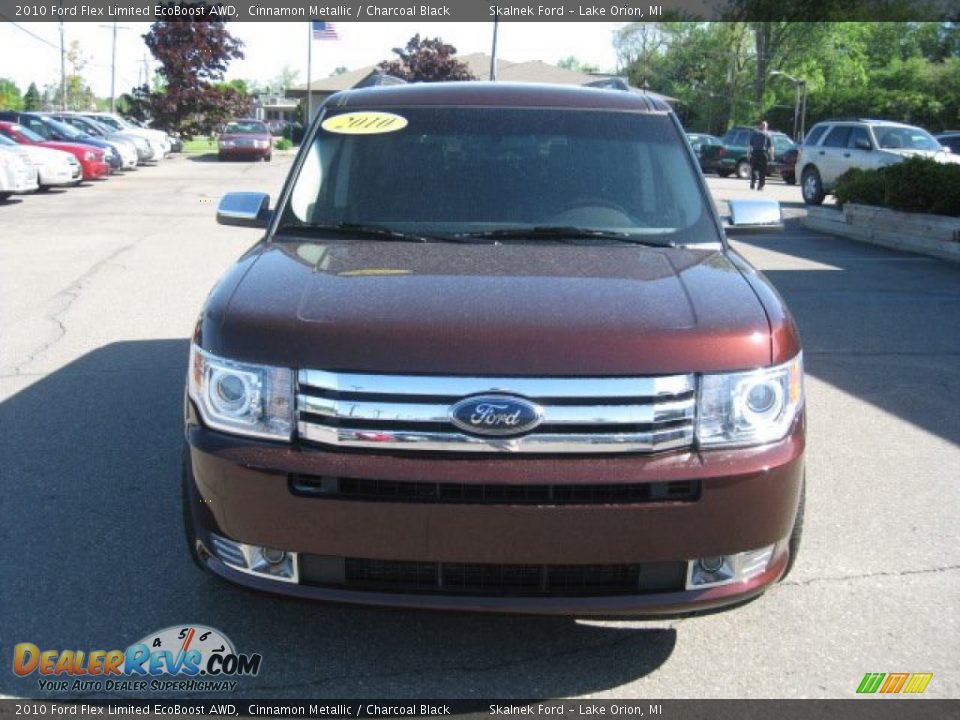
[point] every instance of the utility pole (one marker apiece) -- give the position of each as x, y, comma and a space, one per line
113, 65
63, 69
493, 50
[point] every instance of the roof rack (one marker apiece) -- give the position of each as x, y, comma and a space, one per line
380, 79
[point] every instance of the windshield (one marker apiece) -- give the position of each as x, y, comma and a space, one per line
246, 128
27, 133
892, 137
459, 171
66, 130
105, 120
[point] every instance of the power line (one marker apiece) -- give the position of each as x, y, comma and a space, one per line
31, 34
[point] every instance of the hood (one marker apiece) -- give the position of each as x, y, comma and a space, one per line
938, 155
39, 155
487, 309
72, 148
244, 136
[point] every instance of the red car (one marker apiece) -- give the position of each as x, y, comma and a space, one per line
90, 158
245, 138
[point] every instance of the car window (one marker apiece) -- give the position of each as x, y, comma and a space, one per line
38, 127
894, 137
743, 138
246, 128
837, 137
858, 134
27, 133
781, 143
952, 142
813, 137
479, 169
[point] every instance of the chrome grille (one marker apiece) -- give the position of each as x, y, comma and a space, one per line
580, 415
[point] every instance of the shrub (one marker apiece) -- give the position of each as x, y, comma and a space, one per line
284, 144
917, 185
865, 187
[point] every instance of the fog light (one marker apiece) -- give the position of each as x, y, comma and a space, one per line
274, 557
256, 560
711, 564
715, 570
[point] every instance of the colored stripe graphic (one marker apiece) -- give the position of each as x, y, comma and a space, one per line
894, 682
870, 682
918, 682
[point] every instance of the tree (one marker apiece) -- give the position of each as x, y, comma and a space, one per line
571, 62
339, 70
193, 56
426, 60
284, 80
10, 95
31, 98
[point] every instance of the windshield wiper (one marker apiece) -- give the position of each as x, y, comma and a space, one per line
379, 232
562, 233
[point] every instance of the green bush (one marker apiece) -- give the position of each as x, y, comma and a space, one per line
917, 185
865, 187
284, 144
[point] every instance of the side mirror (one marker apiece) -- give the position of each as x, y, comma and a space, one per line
244, 209
862, 144
756, 216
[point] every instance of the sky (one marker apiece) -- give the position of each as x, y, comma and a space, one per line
30, 51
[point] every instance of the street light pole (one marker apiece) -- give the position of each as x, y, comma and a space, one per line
113, 65
800, 104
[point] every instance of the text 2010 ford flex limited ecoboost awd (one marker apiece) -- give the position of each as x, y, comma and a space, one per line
494, 353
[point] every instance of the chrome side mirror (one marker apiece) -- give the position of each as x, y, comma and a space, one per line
754, 216
245, 209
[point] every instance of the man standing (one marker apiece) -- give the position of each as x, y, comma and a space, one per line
760, 147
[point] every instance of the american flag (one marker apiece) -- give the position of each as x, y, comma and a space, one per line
323, 31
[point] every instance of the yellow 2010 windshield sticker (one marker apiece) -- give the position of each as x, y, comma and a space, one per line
364, 123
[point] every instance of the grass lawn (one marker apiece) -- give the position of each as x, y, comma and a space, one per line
198, 146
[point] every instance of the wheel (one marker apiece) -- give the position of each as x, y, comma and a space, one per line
794, 543
269, 157
743, 170
43, 188
811, 186
723, 173
5, 195
790, 179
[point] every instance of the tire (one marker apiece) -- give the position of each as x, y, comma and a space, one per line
790, 179
723, 173
269, 157
743, 170
794, 543
811, 186
5, 195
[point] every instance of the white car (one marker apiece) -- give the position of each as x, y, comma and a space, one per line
834, 146
54, 167
120, 124
16, 175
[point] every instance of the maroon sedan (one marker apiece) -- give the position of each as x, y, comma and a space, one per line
90, 158
247, 139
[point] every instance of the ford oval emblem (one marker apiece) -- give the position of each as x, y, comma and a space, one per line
496, 415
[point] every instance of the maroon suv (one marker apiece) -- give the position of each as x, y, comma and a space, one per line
495, 353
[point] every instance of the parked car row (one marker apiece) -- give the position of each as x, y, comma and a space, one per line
830, 149
43, 150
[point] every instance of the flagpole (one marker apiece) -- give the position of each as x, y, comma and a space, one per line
307, 119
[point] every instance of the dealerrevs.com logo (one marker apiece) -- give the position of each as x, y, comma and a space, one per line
189, 658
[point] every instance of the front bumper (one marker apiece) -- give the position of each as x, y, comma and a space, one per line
93, 169
248, 152
62, 174
242, 490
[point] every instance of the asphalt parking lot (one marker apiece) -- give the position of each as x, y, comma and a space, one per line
99, 290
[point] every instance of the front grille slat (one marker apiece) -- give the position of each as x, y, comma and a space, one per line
492, 579
393, 491
411, 413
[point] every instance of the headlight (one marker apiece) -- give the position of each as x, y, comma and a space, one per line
242, 398
749, 408
89, 156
